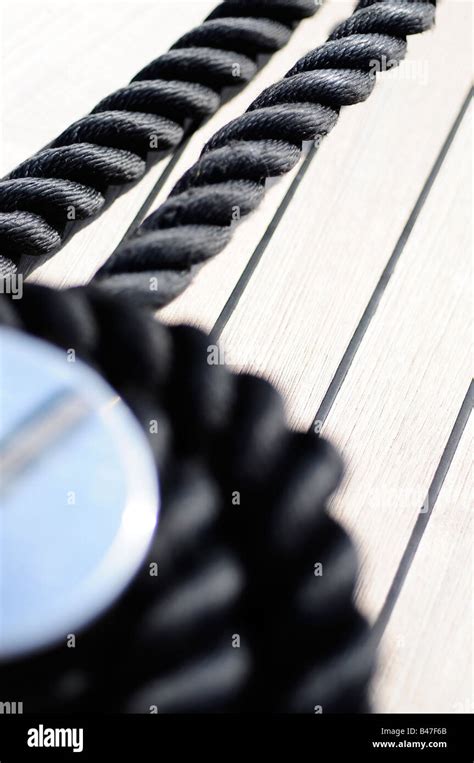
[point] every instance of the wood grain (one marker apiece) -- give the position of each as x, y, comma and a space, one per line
398, 404
61, 58
426, 659
316, 276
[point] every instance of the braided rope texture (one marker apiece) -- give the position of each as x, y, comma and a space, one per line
196, 221
112, 145
224, 570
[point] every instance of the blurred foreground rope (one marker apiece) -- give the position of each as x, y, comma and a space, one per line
226, 571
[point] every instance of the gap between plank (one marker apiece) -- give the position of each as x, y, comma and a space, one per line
369, 312
424, 516
140, 216
242, 283
227, 95
255, 258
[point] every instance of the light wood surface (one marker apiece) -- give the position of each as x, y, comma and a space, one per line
429, 638
349, 288
399, 401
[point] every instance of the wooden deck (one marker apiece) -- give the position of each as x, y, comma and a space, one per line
350, 289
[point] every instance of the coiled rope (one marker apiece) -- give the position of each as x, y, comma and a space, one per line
110, 146
195, 222
224, 570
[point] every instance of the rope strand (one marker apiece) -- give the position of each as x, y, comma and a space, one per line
163, 102
196, 221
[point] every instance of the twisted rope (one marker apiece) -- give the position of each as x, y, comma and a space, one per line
164, 101
196, 222
224, 570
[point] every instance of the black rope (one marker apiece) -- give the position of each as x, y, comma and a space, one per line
227, 182
110, 147
224, 570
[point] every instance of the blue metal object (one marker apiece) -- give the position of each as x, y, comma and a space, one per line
78, 494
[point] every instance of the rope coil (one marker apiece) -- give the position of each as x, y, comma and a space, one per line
224, 570
304, 644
